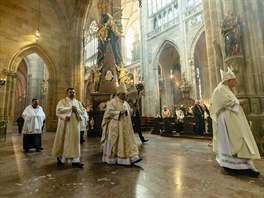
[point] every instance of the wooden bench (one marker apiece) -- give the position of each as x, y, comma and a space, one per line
147, 123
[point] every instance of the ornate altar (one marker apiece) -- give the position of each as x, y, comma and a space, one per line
108, 73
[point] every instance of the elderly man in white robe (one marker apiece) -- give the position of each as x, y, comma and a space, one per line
119, 143
233, 140
34, 117
66, 145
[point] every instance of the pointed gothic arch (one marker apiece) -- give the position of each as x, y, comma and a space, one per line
199, 63
195, 40
167, 64
20, 54
161, 47
13, 65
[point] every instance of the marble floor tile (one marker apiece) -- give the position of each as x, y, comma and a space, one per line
171, 167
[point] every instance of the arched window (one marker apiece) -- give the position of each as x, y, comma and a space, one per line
199, 82
130, 38
90, 44
156, 5
170, 14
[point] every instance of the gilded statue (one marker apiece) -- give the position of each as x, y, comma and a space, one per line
89, 106
123, 76
109, 32
95, 74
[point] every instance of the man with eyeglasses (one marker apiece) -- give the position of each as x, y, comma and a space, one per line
119, 143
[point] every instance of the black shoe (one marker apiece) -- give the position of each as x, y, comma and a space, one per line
251, 173
246, 172
140, 159
26, 150
77, 165
145, 140
59, 162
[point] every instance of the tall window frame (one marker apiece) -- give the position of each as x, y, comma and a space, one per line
155, 6
91, 44
129, 40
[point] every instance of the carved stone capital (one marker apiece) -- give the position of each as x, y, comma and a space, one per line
9, 73
237, 64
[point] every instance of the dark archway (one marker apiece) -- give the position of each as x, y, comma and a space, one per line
15, 64
169, 75
201, 68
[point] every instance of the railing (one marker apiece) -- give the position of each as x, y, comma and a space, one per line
163, 27
192, 10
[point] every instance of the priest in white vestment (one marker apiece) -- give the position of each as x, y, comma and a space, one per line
66, 145
34, 117
233, 141
119, 143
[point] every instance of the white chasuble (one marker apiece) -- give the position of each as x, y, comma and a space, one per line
67, 139
34, 118
118, 136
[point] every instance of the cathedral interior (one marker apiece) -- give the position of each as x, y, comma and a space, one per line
172, 50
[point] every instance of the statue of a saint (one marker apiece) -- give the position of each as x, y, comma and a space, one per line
231, 31
123, 74
108, 32
95, 77
44, 87
184, 82
89, 106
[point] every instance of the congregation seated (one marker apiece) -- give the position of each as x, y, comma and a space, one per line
165, 113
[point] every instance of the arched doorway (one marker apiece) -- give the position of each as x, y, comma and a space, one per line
22, 62
32, 82
169, 72
201, 69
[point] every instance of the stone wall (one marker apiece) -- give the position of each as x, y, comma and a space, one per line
249, 64
59, 46
183, 33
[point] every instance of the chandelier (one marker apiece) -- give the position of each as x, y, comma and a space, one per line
37, 34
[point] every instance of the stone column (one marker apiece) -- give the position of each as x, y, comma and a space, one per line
149, 67
248, 65
53, 92
9, 98
209, 11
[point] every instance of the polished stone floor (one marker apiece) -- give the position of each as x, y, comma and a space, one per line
171, 167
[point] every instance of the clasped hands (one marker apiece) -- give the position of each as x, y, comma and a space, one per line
74, 110
123, 112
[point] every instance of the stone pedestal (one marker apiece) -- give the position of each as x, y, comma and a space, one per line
185, 90
237, 63
108, 78
186, 100
257, 127
107, 86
